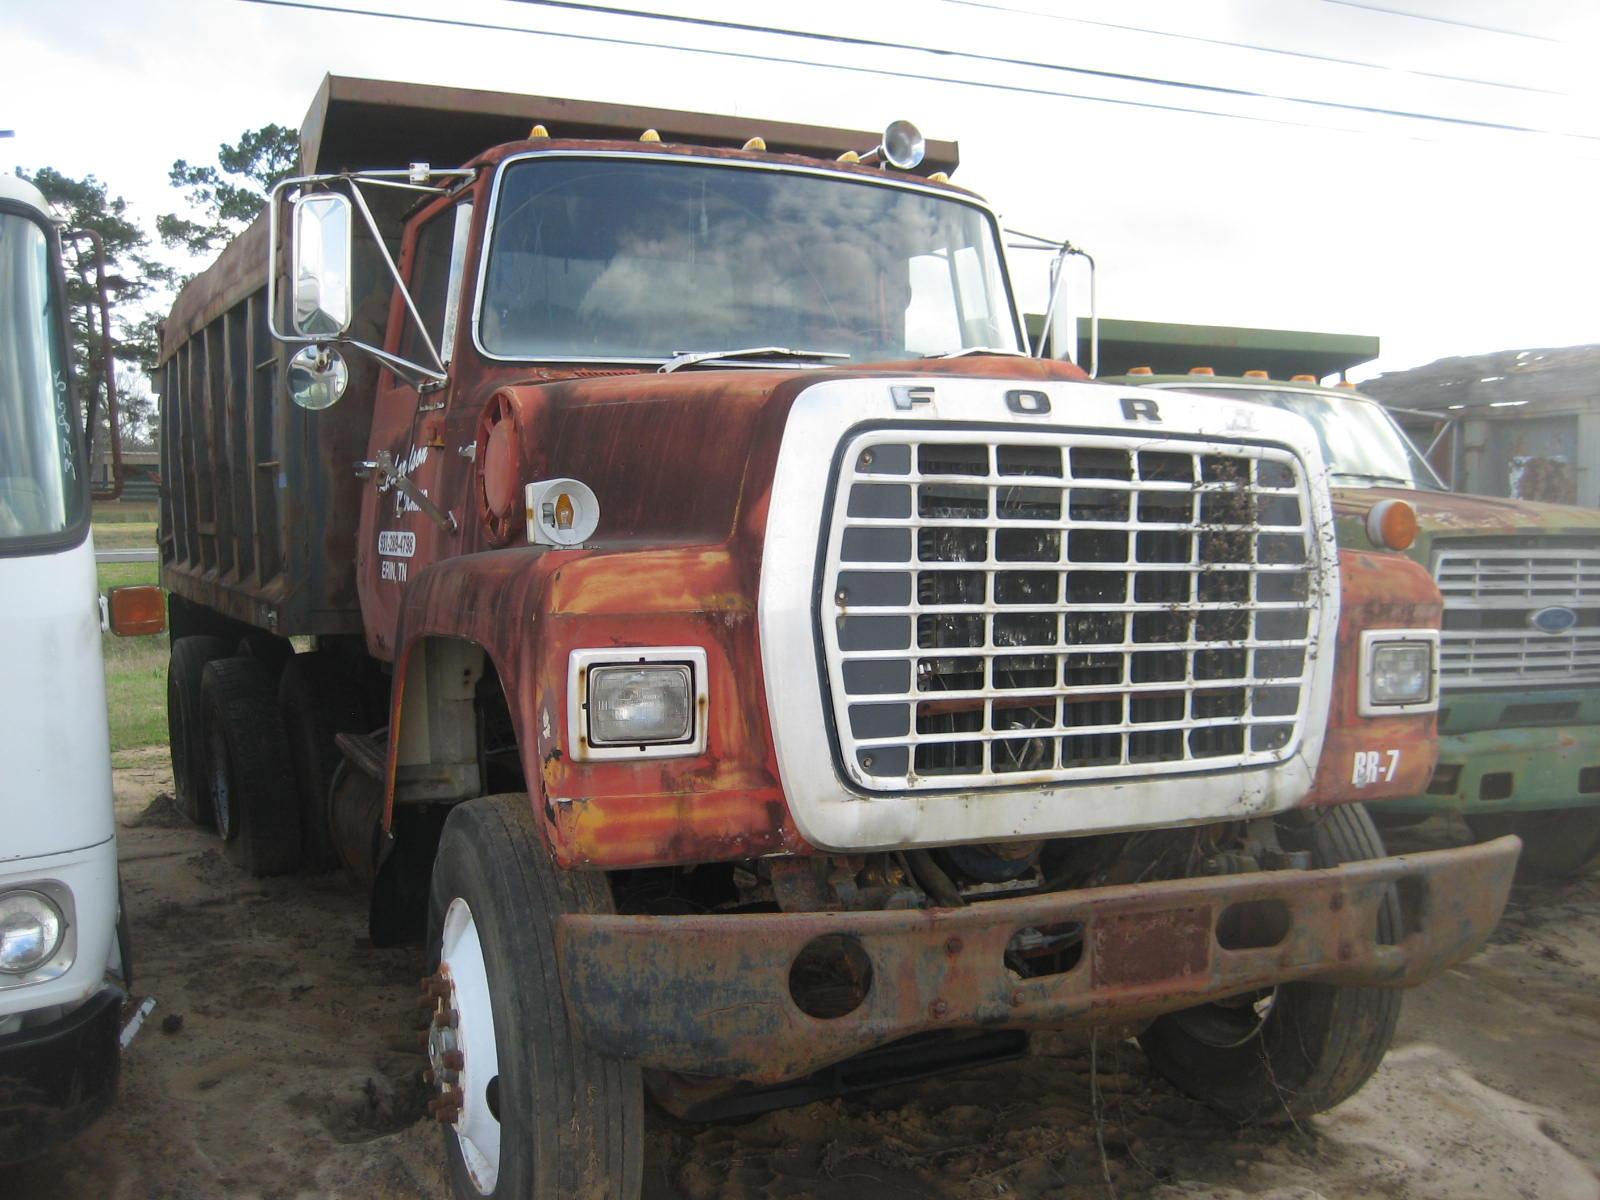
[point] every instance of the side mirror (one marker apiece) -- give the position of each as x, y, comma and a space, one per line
317, 377
321, 265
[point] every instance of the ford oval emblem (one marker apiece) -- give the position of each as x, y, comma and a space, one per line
1553, 620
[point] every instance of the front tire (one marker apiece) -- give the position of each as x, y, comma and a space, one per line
1305, 1046
1557, 843
547, 1117
247, 766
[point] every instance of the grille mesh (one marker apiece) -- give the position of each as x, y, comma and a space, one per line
1491, 596
1049, 607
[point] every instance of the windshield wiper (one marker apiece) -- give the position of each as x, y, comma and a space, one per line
689, 358
1400, 479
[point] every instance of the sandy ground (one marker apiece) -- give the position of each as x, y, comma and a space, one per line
287, 1068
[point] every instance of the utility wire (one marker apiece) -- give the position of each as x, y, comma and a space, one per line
1210, 41
614, 10
786, 60
1416, 16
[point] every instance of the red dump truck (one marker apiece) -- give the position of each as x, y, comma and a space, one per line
638, 546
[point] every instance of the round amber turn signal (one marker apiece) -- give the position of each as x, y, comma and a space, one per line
1392, 524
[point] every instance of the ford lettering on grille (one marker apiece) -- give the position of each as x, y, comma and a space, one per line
1034, 606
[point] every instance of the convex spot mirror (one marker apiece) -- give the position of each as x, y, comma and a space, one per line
320, 267
317, 377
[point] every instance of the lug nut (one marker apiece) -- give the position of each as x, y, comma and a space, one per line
444, 1017
455, 1060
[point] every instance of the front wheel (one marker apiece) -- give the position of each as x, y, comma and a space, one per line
529, 1110
1556, 844
1299, 1048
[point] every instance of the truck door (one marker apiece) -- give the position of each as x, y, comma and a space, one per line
400, 534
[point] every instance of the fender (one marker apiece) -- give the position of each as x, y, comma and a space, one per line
528, 609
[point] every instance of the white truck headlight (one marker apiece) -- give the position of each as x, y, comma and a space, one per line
31, 929
1399, 671
640, 705
637, 703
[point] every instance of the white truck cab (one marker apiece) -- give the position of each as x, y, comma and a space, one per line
63, 957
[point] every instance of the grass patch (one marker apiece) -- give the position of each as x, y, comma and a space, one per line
125, 535
136, 670
114, 512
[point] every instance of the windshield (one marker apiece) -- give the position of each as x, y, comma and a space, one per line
1361, 442
625, 258
41, 490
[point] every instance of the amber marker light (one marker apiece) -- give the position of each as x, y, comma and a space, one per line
135, 611
1256, 375
756, 143
1346, 385
1140, 371
1392, 524
1302, 379
1201, 371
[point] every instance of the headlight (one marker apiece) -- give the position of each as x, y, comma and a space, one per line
640, 705
1399, 667
637, 703
31, 929
1401, 673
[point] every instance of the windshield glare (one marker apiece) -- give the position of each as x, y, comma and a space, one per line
1361, 442
40, 485
623, 258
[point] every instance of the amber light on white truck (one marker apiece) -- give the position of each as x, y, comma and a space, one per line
1399, 671
650, 703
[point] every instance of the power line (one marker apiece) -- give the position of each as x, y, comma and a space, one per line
1415, 16
786, 60
1210, 41
612, 10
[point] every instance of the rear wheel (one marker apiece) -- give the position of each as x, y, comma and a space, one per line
189, 787
1556, 844
251, 784
318, 699
1299, 1048
529, 1110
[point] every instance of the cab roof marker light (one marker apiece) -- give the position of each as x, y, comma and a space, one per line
1257, 375
1140, 371
537, 132
1302, 379
755, 143
1202, 371
649, 135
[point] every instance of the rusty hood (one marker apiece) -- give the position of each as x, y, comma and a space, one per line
1450, 515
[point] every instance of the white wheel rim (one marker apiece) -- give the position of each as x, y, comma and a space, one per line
477, 1129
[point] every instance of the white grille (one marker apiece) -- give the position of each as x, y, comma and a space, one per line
1031, 607
1491, 596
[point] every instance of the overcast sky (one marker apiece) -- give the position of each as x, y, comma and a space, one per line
1441, 238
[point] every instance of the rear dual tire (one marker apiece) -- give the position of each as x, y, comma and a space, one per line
189, 785
250, 783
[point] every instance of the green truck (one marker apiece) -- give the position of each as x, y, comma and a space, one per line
1519, 715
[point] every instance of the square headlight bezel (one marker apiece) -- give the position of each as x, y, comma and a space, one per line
1371, 641
579, 744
